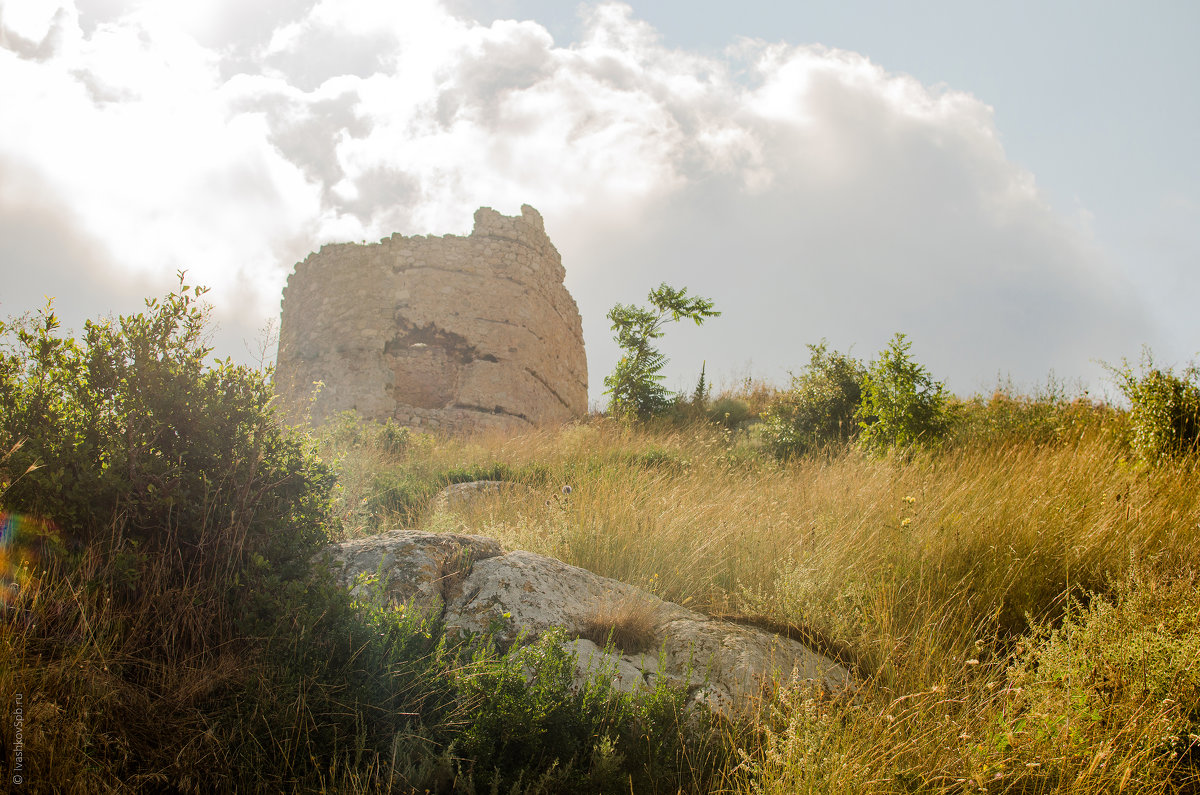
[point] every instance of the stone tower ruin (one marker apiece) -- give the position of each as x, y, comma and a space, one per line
440, 333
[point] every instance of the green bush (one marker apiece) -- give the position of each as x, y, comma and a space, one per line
133, 433
533, 730
348, 430
385, 480
1119, 672
1164, 413
902, 406
820, 407
189, 515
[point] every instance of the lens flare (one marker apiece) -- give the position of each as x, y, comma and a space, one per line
22, 540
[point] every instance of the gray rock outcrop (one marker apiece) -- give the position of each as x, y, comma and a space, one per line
475, 586
444, 333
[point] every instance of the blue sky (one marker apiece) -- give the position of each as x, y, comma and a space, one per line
1016, 186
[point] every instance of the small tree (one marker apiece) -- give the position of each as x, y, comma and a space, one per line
1164, 409
901, 405
703, 388
819, 408
635, 385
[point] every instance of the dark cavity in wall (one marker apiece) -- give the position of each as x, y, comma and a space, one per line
455, 346
426, 363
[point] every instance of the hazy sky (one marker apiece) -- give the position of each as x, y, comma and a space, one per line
1014, 185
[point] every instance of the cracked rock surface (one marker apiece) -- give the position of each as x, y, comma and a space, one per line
475, 586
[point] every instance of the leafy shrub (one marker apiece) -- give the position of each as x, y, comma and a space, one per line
1121, 673
129, 429
820, 407
532, 730
757, 394
660, 459
1164, 415
402, 494
189, 515
384, 478
348, 430
902, 405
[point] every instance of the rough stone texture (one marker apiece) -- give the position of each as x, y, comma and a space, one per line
478, 587
442, 333
426, 569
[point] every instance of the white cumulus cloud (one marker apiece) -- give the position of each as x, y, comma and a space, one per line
809, 191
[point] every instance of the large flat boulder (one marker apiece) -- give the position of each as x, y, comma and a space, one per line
422, 569
474, 586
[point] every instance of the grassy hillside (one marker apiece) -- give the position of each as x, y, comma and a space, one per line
1018, 600
1024, 615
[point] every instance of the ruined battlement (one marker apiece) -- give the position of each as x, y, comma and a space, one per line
445, 333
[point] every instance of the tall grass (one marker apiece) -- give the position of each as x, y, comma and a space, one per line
130, 695
954, 582
1004, 527
1022, 613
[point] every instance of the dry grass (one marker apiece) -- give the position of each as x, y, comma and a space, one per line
672, 513
1025, 617
122, 680
934, 571
629, 624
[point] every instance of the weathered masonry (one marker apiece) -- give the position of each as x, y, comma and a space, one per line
442, 333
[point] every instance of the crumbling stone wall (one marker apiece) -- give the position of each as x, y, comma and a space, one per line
442, 333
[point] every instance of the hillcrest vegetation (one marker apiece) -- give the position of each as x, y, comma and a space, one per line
1011, 578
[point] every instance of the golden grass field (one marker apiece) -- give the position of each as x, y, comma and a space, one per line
1024, 617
